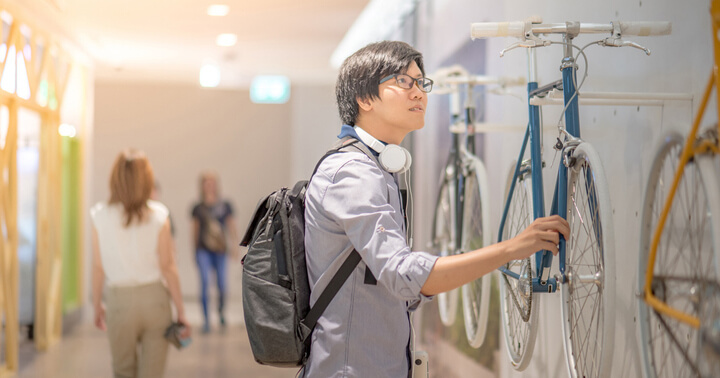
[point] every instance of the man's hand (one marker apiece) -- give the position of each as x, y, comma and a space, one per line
543, 233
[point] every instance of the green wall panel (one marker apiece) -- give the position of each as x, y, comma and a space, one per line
71, 223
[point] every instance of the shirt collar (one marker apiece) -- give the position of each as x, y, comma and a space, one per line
347, 130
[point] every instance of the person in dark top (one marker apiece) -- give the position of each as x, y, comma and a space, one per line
213, 222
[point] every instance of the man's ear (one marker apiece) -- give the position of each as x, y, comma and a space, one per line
366, 104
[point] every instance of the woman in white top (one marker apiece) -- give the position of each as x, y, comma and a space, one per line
133, 252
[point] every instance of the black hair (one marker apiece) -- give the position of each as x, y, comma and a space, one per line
361, 72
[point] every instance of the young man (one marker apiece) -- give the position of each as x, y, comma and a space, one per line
352, 203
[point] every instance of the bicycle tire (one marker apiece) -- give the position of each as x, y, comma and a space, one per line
476, 234
443, 239
519, 321
669, 347
589, 328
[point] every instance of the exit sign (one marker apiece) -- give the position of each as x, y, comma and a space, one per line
270, 89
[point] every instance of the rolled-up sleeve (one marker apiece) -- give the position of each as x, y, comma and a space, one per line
362, 202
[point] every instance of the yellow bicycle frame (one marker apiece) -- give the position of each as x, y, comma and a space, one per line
690, 149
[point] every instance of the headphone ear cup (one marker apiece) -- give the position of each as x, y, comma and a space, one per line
393, 158
408, 160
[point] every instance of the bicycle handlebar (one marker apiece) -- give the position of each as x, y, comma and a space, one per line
497, 29
645, 28
480, 80
522, 29
451, 84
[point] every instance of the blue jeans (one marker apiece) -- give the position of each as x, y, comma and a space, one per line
207, 260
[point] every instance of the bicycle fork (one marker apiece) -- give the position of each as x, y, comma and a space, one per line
458, 179
541, 282
460, 173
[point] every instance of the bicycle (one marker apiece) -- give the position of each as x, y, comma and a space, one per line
679, 267
586, 261
462, 212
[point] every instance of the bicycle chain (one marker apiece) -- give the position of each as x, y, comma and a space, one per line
525, 315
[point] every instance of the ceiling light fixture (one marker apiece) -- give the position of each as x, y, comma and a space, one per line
67, 130
218, 10
209, 76
226, 39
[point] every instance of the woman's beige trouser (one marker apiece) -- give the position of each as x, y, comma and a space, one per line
136, 318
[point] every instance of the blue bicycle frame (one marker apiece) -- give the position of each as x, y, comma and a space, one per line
542, 282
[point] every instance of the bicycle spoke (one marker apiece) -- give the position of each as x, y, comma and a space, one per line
681, 348
444, 245
595, 305
519, 309
684, 274
584, 302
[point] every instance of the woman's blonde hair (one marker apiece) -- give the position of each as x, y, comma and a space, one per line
209, 175
131, 183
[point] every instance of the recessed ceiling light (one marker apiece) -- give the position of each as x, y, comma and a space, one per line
218, 10
227, 39
67, 130
209, 76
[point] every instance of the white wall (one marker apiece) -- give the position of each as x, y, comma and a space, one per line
315, 126
625, 137
185, 130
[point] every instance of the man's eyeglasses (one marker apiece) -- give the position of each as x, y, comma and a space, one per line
406, 82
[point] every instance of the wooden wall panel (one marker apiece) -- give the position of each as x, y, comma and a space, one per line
49, 63
9, 245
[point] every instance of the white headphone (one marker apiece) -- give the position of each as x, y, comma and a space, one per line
393, 158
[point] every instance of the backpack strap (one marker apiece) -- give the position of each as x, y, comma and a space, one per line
332, 288
347, 267
364, 149
339, 145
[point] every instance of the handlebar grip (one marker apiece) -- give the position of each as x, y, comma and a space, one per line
512, 81
497, 29
645, 28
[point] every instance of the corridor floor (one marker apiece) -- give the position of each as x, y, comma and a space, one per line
85, 353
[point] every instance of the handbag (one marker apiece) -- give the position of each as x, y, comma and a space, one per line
213, 237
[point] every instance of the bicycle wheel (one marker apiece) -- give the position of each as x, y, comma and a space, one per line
518, 303
475, 235
444, 245
685, 276
588, 292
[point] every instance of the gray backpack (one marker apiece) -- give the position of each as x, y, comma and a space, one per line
275, 288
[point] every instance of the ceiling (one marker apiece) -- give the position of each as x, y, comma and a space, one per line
169, 40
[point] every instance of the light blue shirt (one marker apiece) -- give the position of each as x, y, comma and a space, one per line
365, 331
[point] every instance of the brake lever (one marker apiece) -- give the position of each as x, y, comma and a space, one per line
528, 43
616, 40
619, 42
637, 46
